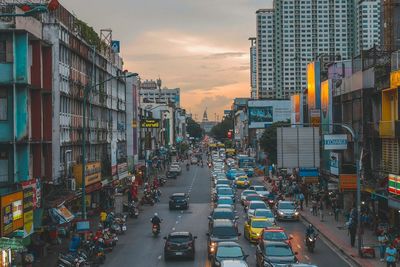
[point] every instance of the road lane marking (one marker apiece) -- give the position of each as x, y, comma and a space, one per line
173, 228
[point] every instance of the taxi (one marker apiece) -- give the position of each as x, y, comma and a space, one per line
242, 182
253, 228
275, 234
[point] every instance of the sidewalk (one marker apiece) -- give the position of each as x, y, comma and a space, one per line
338, 237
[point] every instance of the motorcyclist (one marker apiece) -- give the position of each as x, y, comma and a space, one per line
202, 164
310, 230
187, 166
156, 221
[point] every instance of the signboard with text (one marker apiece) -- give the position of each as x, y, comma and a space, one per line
348, 182
28, 211
394, 184
150, 123
335, 141
11, 213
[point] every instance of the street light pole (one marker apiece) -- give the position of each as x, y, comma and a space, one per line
87, 90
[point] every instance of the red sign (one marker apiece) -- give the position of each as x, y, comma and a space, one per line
230, 134
34, 184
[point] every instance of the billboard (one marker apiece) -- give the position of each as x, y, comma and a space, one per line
11, 213
298, 147
150, 123
262, 113
313, 86
335, 141
297, 109
334, 163
326, 106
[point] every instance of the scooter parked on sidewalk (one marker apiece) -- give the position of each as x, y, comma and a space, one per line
147, 199
132, 209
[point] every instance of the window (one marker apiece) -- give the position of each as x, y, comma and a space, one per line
3, 105
3, 51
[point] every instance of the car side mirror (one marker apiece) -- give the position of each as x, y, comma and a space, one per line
210, 218
236, 217
239, 234
207, 234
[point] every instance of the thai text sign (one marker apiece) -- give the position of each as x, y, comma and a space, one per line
150, 123
394, 184
11, 213
348, 182
28, 211
335, 142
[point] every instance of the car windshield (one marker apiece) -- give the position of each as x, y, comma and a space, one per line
260, 224
225, 191
223, 215
224, 231
179, 239
229, 252
225, 201
257, 205
178, 197
275, 236
242, 179
264, 213
246, 193
278, 251
223, 182
260, 188
287, 206
251, 198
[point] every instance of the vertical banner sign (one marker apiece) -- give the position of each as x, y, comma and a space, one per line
28, 211
11, 213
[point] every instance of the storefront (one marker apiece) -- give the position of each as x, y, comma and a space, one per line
394, 199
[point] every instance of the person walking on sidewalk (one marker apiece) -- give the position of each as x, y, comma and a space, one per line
352, 231
301, 199
382, 240
391, 253
321, 211
314, 207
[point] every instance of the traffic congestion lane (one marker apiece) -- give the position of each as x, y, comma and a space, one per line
139, 248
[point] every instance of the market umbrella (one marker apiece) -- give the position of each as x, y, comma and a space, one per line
12, 243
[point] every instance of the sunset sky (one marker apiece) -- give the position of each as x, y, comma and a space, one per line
200, 46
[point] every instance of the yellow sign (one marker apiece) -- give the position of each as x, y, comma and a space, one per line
311, 85
395, 79
11, 205
93, 173
134, 124
150, 123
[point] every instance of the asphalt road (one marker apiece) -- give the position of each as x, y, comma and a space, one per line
139, 248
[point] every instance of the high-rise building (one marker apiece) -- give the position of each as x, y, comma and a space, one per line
150, 91
265, 53
253, 68
368, 24
296, 32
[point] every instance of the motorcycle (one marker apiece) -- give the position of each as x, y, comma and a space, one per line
310, 242
155, 230
132, 209
162, 180
187, 167
94, 252
147, 199
71, 260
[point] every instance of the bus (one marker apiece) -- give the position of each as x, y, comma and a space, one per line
247, 164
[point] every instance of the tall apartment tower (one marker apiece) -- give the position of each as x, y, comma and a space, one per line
253, 68
305, 31
368, 24
265, 54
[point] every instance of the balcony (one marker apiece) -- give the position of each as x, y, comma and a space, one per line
389, 129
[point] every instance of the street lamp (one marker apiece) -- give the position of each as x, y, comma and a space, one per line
85, 95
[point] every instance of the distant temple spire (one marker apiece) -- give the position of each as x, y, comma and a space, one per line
205, 117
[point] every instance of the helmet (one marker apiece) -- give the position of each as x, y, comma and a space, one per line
156, 214
310, 226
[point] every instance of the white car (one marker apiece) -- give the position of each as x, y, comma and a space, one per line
261, 191
234, 263
254, 205
245, 193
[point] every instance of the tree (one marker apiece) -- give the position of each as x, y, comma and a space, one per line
220, 131
268, 141
193, 129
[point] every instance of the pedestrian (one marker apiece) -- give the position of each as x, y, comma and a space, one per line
103, 217
314, 207
306, 197
321, 211
335, 209
391, 253
382, 240
352, 231
301, 199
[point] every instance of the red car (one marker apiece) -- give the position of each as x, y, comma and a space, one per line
275, 234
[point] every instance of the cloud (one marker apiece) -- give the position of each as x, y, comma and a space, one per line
226, 55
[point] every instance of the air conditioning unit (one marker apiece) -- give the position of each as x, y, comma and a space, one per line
71, 184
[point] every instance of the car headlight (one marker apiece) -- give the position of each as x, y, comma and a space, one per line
213, 244
296, 213
280, 213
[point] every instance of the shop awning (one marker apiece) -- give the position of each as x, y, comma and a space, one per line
61, 215
11, 243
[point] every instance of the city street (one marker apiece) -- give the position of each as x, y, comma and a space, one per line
139, 248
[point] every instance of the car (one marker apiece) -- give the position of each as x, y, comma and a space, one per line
225, 200
234, 263
287, 210
225, 192
265, 213
253, 228
223, 181
249, 198
222, 230
171, 174
179, 244
178, 201
255, 205
193, 160
242, 182
275, 234
245, 193
222, 213
275, 254
225, 206
261, 190
227, 250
